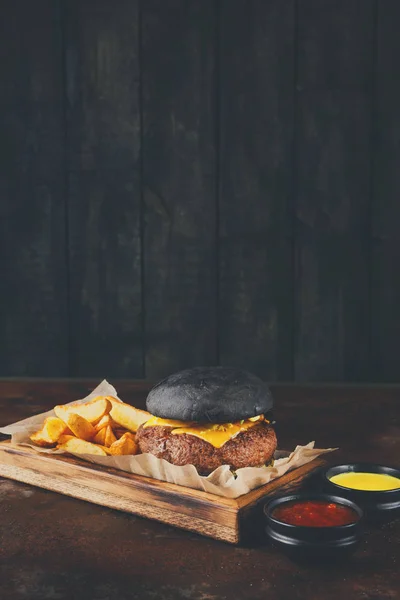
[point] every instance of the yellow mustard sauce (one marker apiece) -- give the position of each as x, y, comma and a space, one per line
371, 482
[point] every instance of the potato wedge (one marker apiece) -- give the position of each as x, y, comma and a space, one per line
114, 399
119, 432
109, 437
104, 421
81, 447
51, 430
93, 411
127, 416
80, 427
100, 437
125, 445
65, 437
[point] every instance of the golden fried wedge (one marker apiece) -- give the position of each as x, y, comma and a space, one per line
119, 432
49, 434
93, 411
77, 446
125, 445
100, 437
114, 399
104, 421
64, 438
109, 437
127, 416
80, 427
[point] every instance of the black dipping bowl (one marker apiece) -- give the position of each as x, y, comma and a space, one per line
303, 543
377, 506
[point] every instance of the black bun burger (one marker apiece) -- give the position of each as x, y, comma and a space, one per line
208, 417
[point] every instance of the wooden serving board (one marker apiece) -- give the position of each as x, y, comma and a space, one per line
230, 520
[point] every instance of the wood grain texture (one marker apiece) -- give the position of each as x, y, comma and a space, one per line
186, 508
102, 69
178, 43
385, 309
256, 132
102, 80
333, 187
33, 316
268, 208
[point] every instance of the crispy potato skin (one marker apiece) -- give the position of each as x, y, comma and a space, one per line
88, 428
125, 445
80, 427
78, 446
52, 429
93, 411
251, 448
127, 416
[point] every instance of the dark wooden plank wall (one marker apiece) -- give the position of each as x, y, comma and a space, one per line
103, 138
33, 257
179, 179
255, 193
335, 44
385, 238
192, 182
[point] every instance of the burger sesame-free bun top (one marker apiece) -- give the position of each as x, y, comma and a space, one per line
210, 394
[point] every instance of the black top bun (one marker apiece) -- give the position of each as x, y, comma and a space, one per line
213, 394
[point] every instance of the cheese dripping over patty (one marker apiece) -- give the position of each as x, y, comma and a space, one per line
215, 434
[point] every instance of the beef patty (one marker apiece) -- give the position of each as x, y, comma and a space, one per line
251, 448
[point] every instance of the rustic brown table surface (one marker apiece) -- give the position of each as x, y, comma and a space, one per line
55, 547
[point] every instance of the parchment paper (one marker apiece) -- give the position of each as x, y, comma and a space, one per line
221, 482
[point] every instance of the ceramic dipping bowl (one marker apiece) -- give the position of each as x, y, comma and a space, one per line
315, 539
377, 505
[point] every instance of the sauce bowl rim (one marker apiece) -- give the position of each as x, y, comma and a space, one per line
361, 468
304, 496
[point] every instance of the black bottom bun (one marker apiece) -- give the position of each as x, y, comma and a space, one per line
251, 448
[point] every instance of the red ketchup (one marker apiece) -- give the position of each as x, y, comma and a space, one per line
315, 513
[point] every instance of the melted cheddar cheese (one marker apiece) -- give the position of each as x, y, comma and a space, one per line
216, 435
158, 422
